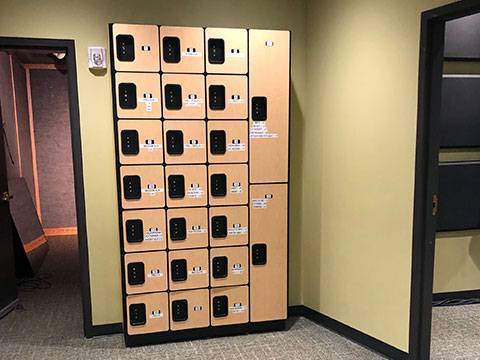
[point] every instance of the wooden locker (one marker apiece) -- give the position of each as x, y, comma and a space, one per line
146, 272
140, 142
228, 226
183, 96
229, 266
142, 187
227, 141
186, 185
228, 184
182, 49
268, 252
229, 305
138, 95
136, 47
147, 313
187, 228
144, 230
269, 89
189, 309
185, 142
227, 50
188, 269
227, 97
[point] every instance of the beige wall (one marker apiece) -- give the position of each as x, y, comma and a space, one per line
358, 162
86, 21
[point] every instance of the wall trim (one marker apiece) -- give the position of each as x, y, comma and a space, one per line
454, 295
60, 231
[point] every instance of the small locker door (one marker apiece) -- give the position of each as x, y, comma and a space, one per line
186, 185
227, 141
187, 228
227, 50
185, 142
269, 76
138, 95
189, 309
228, 266
146, 272
144, 230
268, 252
188, 269
229, 305
183, 96
227, 97
136, 47
140, 142
142, 186
228, 226
182, 49
147, 313
228, 184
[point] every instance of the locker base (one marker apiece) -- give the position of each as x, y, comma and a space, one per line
203, 333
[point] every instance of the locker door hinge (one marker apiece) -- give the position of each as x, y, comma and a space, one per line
434, 205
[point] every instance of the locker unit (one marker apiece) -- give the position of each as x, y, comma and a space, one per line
228, 266
146, 272
183, 96
136, 47
188, 269
228, 184
147, 313
142, 186
187, 228
138, 95
186, 185
189, 309
144, 230
182, 49
227, 51
269, 89
227, 97
140, 142
228, 226
227, 141
268, 252
185, 142
229, 305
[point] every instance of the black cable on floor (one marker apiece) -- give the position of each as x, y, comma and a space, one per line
456, 302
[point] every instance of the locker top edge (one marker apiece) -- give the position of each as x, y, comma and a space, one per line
196, 27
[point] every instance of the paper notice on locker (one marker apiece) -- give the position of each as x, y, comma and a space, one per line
153, 234
152, 190
192, 101
195, 191
196, 229
150, 145
197, 270
259, 130
237, 229
155, 273
237, 308
236, 147
155, 314
236, 188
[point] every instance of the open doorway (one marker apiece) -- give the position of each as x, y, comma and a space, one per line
42, 153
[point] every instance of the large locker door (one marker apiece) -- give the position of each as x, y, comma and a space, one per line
268, 252
269, 86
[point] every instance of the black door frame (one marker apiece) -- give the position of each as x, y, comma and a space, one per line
69, 47
426, 169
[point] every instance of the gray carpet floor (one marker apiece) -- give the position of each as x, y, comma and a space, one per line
47, 324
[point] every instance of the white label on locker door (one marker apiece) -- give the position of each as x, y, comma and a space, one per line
195, 191
197, 270
262, 203
196, 229
192, 101
152, 190
153, 234
155, 314
237, 229
193, 144
236, 147
192, 52
234, 53
237, 269
236, 188
235, 99
237, 308
148, 100
150, 145
155, 273
259, 130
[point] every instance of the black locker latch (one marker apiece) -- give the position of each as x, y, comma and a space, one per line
178, 229
220, 267
259, 108
173, 97
179, 310
178, 268
216, 51
171, 49
132, 187
125, 48
134, 230
220, 306
137, 314
218, 142
259, 254
127, 96
216, 97
176, 186
130, 144
174, 142
218, 184
219, 226
136, 273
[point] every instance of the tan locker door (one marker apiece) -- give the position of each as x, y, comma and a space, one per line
236, 301
140, 142
182, 49
227, 97
268, 226
269, 77
235, 54
156, 313
197, 305
144, 230
138, 95
197, 274
236, 269
192, 135
151, 193
136, 47
231, 180
190, 102
187, 228
235, 147
236, 230
155, 272
194, 188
